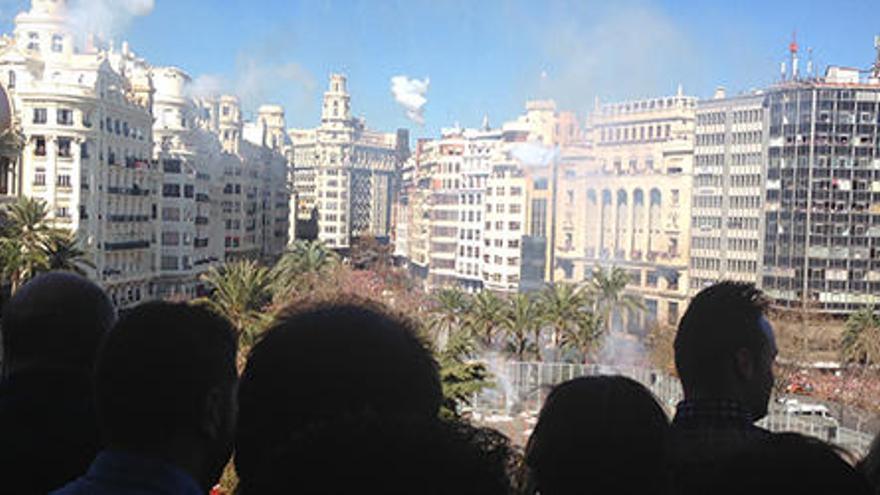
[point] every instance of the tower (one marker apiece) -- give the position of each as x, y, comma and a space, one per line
230, 123
337, 103
793, 49
44, 29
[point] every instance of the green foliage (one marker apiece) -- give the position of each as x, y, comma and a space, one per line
607, 289
301, 267
584, 334
448, 314
29, 244
484, 316
241, 293
63, 253
861, 338
522, 326
460, 374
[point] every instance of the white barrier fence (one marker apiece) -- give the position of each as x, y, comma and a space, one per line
520, 387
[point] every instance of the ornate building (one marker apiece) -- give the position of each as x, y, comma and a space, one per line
127, 161
346, 172
630, 205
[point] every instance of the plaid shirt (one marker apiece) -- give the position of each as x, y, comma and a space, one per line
703, 434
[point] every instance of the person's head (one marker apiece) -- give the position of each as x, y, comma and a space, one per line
56, 320
165, 384
325, 360
368, 453
606, 433
788, 463
870, 465
725, 347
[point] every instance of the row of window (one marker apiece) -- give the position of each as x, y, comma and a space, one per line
514, 208
499, 225
635, 133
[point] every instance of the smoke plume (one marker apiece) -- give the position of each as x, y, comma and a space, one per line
410, 94
107, 18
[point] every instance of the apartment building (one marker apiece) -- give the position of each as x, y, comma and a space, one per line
127, 161
822, 199
727, 207
346, 172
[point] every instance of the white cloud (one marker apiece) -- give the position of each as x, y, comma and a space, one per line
257, 82
107, 18
411, 95
534, 154
627, 50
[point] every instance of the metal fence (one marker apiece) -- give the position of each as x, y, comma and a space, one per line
521, 387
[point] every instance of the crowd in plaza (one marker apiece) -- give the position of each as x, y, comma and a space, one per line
342, 396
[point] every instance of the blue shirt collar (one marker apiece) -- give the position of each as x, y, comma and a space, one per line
138, 473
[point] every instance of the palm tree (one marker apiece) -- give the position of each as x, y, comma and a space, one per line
460, 375
583, 334
63, 253
301, 266
485, 315
521, 323
561, 304
608, 290
861, 338
23, 244
241, 292
450, 309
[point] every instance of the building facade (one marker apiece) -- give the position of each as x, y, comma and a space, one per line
729, 179
345, 172
124, 158
822, 204
629, 206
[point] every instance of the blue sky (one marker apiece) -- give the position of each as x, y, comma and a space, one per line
488, 56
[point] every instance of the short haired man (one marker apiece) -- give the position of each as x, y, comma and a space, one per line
51, 330
724, 354
326, 360
165, 387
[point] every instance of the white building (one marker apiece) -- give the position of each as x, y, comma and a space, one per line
87, 147
346, 172
129, 163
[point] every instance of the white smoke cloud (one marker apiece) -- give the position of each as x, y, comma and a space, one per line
257, 82
534, 154
207, 85
107, 18
410, 94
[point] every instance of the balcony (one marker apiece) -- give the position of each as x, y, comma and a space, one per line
128, 191
202, 220
203, 198
126, 245
128, 218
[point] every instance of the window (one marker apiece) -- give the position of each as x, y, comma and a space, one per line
40, 176
64, 147
62, 212
516, 191
170, 190
171, 214
11, 81
33, 41
188, 191
40, 116
225, 111
65, 116
63, 180
170, 238
40, 146
57, 43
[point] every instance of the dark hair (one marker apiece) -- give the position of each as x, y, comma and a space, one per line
156, 369
603, 433
720, 320
369, 453
788, 463
869, 466
329, 359
56, 319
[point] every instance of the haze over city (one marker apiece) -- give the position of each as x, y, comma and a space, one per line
480, 57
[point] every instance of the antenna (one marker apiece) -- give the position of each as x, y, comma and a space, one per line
793, 49
877, 62
809, 63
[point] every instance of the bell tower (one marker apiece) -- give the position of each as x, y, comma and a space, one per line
337, 103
